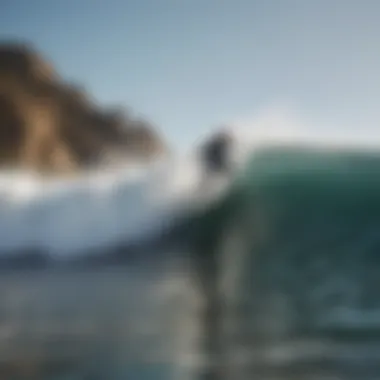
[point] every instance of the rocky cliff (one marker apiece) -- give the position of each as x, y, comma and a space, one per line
49, 125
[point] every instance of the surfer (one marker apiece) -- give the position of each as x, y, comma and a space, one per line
217, 165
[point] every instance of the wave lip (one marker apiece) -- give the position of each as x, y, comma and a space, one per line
69, 217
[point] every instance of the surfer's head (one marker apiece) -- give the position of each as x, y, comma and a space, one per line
216, 152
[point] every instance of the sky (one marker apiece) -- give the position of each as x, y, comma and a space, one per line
191, 65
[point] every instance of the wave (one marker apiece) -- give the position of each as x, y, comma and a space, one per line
105, 207
304, 261
67, 217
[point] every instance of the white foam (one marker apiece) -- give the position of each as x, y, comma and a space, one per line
281, 126
69, 216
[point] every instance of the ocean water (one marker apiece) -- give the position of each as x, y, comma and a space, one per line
290, 255
113, 323
304, 300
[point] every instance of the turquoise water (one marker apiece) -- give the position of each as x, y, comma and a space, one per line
291, 253
306, 298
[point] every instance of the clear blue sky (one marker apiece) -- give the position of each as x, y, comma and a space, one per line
191, 64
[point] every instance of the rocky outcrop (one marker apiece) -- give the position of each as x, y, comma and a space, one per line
49, 125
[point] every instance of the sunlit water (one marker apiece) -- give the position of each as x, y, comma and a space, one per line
113, 323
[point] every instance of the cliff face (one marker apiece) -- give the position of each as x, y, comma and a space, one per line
49, 125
